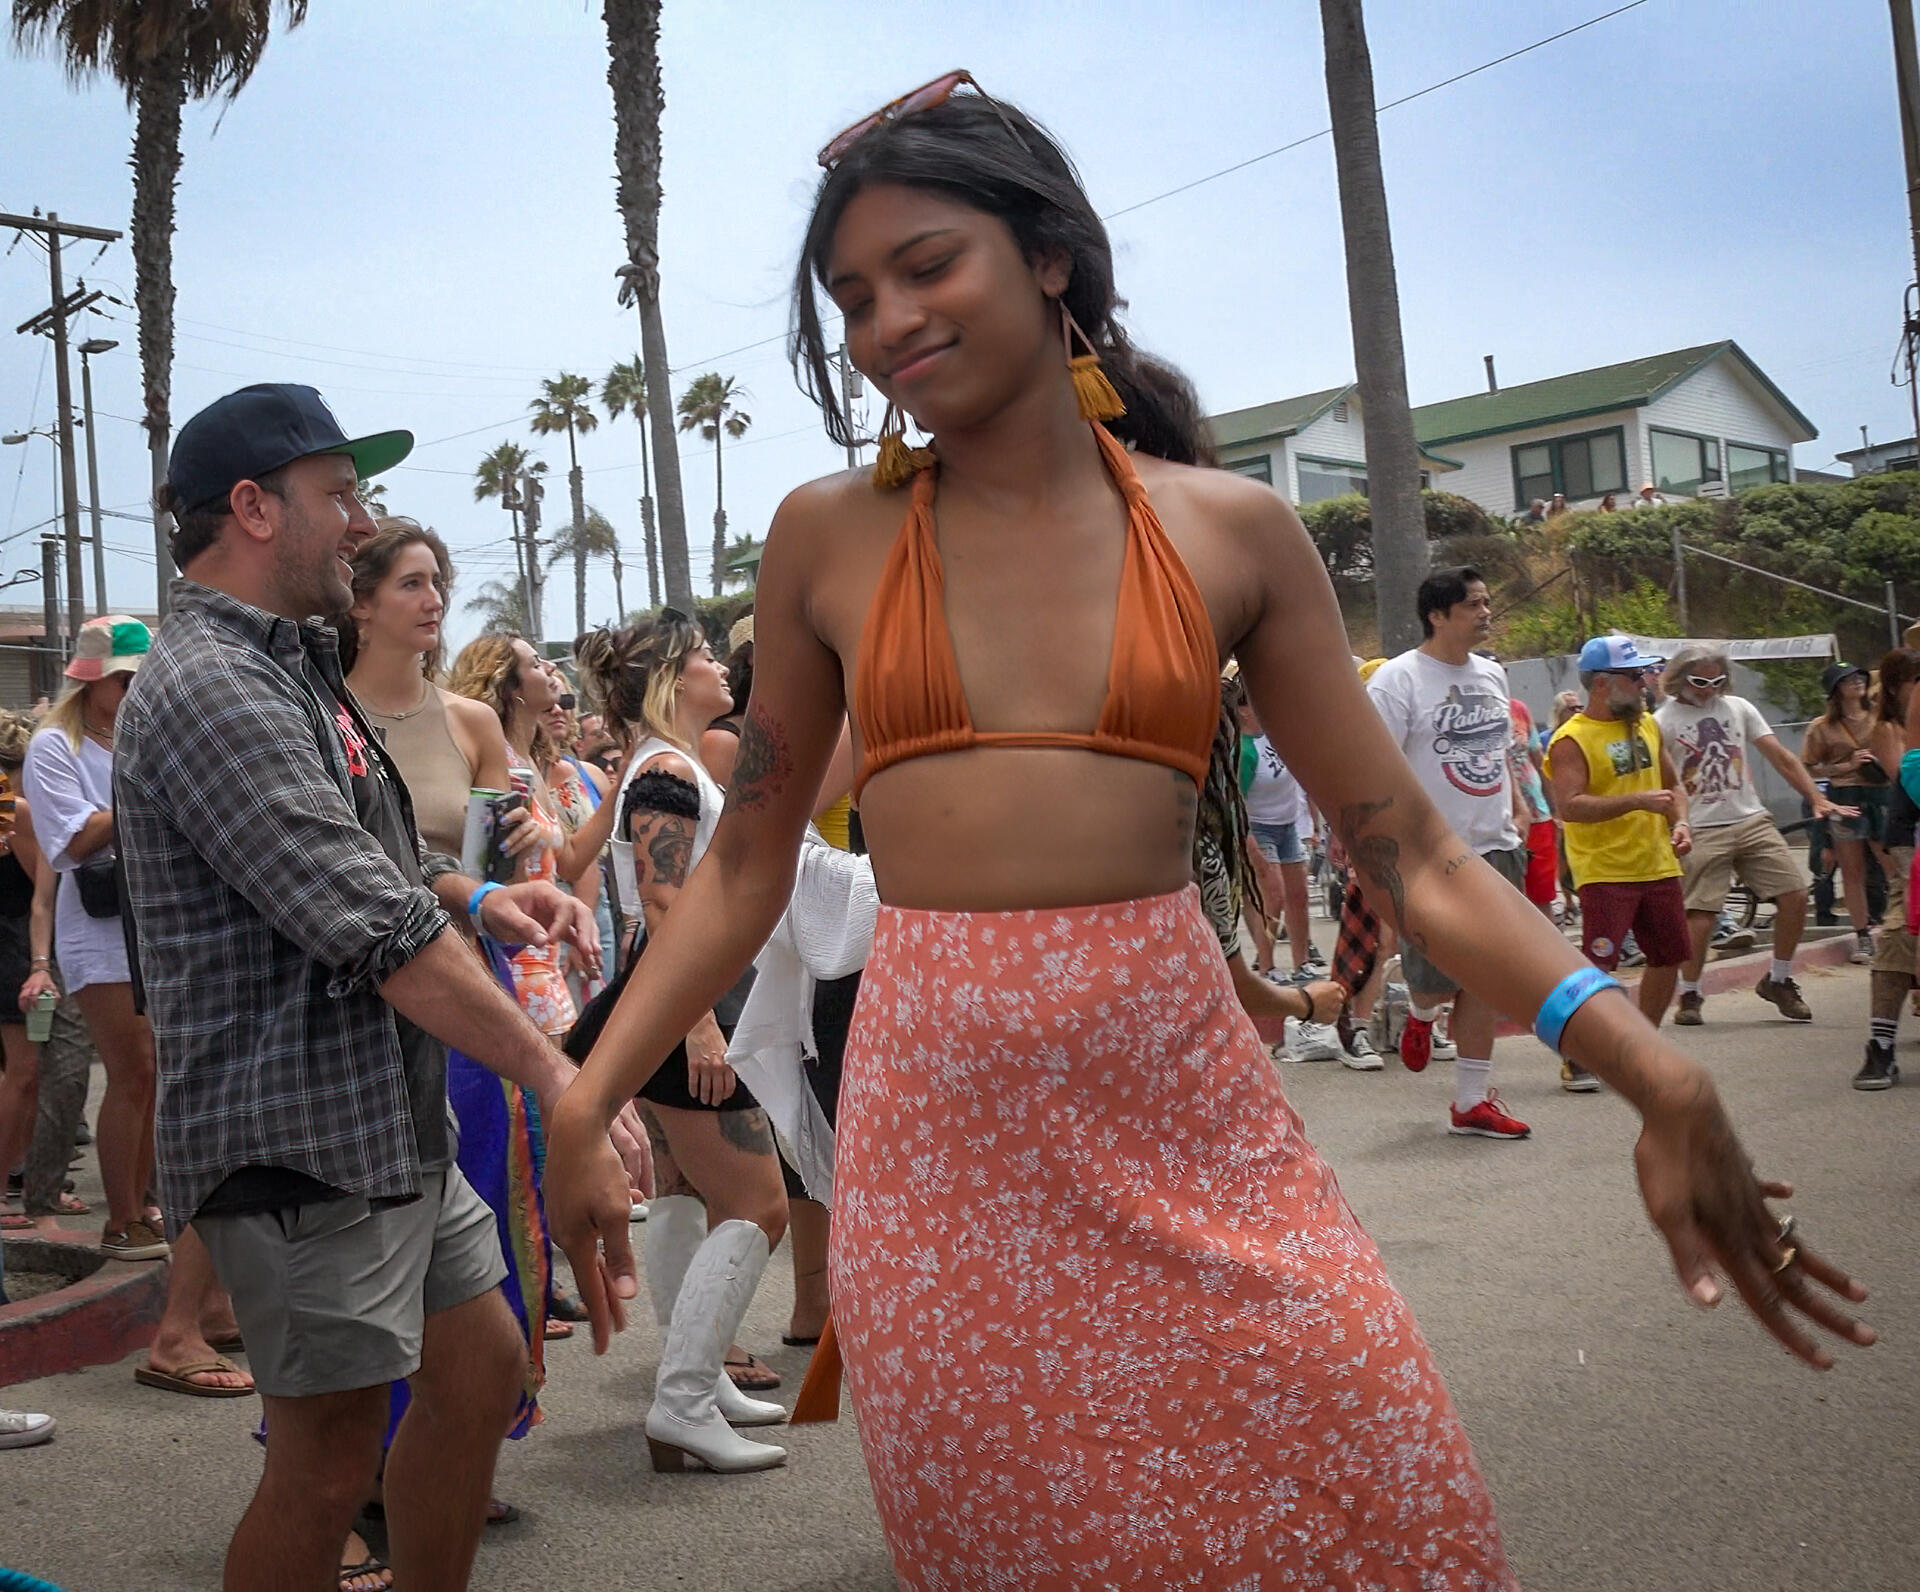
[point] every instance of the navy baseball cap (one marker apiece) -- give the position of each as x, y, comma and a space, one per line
249, 433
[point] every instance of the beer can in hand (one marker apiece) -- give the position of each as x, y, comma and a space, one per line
40, 1017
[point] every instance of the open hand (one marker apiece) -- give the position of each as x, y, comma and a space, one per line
538, 913
1710, 1206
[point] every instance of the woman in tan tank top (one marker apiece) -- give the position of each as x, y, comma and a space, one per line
391, 647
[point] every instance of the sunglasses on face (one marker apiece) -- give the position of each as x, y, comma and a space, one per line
1706, 682
923, 98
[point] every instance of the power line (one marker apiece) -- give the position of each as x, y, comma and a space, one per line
1405, 99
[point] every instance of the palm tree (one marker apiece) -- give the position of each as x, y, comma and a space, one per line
742, 564
710, 404
624, 392
501, 607
563, 406
373, 494
511, 475
1373, 304
633, 73
162, 53
594, 537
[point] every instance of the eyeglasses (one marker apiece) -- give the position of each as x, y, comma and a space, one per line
923, 98
1706, 682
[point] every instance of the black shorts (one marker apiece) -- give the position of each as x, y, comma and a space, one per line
668, 1086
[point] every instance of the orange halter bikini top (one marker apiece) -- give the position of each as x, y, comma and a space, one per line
1163, 699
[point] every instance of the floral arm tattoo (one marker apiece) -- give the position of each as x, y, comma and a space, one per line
764, 763
1377, 856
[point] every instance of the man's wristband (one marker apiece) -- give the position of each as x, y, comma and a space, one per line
478, 896
1567, 997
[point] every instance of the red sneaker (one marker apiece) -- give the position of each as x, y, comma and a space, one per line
1416, 1044
1489, 1120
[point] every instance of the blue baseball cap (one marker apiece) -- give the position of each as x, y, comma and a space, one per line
1616, 655
254, 431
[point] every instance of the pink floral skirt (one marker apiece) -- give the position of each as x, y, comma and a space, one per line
1106, 1316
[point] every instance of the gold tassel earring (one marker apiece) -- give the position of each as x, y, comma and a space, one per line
1092, 391
897, 464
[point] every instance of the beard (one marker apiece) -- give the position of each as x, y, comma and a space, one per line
306, 568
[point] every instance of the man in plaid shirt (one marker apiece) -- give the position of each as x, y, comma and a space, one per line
303, 976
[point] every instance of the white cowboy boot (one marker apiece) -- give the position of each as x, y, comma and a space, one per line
685, 1421
676, 1228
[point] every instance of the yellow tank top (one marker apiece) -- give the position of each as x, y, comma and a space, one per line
832, 824
1623, 756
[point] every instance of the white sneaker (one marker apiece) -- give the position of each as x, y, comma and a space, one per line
1444, 1049
1862, 949
23, 1428
1360, 1054
637, 1212
1313, 1041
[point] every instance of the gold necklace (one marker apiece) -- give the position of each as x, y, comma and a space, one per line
426, 695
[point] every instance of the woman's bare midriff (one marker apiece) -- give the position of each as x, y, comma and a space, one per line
997, 829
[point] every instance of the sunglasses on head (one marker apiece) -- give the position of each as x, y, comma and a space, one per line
923, 98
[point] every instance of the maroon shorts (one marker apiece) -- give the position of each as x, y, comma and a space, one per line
1543, 862
1654, 911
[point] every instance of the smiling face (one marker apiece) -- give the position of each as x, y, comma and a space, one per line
943, 314
318, 523
405, 610
703, 685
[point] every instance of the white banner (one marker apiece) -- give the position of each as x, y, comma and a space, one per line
1746, 651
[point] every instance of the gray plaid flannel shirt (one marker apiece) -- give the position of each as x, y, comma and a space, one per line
265, 915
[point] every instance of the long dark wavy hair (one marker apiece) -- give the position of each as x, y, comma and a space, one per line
1899, 669
963, 150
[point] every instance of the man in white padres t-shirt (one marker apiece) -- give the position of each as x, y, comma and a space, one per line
1448, 709
1714, 738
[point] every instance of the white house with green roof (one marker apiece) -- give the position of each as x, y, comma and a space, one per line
1694, 422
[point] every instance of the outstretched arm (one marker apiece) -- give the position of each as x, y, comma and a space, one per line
1698, 1184
721, 916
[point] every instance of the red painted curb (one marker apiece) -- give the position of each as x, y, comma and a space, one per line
96, 1320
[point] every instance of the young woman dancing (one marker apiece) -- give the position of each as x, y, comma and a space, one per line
1106, 1316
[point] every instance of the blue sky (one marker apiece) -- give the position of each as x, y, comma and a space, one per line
412, 208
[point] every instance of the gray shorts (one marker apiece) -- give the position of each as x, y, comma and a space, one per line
334, 1295
1422, 977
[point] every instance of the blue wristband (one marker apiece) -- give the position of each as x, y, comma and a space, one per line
1567, 997
474, 900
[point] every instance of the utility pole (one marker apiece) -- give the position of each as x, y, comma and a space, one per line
852, 386
53, 649
52, 229
94, 345
1680, 580
531, 492
1906, 63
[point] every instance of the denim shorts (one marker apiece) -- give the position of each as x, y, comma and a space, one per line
1278, 842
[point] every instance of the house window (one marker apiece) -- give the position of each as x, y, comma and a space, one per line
1259, 467
1327, 478
1586, 466
1682, 462
1751, 467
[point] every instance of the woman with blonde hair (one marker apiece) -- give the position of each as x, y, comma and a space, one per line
507, 675
720, 1203
68, 781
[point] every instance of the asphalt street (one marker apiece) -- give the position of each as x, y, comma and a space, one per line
1631, 1440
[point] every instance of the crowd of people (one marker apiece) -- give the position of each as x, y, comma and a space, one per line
934, 951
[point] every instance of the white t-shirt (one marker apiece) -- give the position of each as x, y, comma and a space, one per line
1275, 796
1453, 723
1714, 748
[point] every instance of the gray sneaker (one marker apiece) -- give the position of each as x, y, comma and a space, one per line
1360, 1054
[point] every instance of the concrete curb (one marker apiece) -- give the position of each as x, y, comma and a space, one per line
109, 1310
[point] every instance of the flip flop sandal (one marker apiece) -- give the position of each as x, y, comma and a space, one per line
368, 1568
500, 1513
14, 1222
566, 1307
72, 1205
181, 1380
556, 1330
753, 1375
